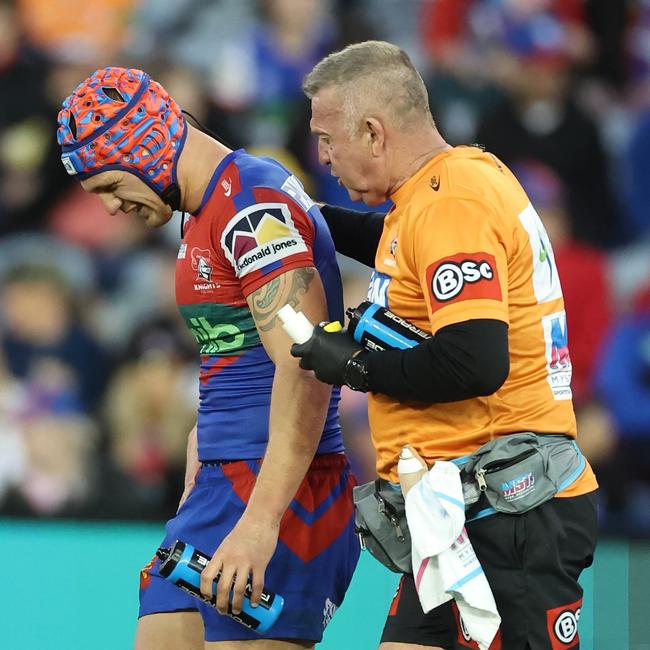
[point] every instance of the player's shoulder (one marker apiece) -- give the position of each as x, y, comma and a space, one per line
260, 171
266, 178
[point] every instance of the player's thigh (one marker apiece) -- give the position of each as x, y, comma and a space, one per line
170, 631
261, 644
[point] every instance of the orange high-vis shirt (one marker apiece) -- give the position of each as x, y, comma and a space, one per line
463, 242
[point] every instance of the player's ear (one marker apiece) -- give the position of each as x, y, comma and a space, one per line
375, 134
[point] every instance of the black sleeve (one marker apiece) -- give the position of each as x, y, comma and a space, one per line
355, 233
463, 360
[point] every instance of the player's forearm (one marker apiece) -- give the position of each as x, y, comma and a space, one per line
192, 457
298, 410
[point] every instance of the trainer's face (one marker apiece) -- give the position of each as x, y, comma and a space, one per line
355, 160
120, 190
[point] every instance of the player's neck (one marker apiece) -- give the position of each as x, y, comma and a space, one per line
201, 155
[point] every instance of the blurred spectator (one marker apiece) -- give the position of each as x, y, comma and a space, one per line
196, 33
637, 178
531, 50
584, 274
12, 450
637, 52
474, 46
624, 386
636, 175
76, 29
39, 320
30, 169
60, 474
589, 306
630, 266
149, 410
291, 37
46, 445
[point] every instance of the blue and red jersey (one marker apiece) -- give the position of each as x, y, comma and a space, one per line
255, 222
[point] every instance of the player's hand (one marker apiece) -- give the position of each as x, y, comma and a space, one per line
327, 353
246, 551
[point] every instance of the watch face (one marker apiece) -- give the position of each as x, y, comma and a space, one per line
356, 375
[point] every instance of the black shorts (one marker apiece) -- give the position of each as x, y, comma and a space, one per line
532, 562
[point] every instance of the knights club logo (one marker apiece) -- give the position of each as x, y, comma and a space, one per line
202, 264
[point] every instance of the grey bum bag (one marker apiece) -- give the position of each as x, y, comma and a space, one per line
514, 473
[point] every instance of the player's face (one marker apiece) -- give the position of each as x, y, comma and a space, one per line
120, 190
350, 158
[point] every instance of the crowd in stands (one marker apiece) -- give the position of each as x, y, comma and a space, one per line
98, 377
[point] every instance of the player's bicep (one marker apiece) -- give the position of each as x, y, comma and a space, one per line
303, 290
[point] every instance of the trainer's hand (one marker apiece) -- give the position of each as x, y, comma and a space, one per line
326, 353
246, 551
407, 481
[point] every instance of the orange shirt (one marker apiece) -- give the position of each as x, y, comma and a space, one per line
461, 242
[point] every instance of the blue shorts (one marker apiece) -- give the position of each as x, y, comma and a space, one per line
312, 566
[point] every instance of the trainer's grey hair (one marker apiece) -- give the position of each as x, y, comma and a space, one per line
373, 76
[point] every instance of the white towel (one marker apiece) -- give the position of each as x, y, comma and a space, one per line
445, 565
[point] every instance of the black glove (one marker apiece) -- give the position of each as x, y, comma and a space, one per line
327, 354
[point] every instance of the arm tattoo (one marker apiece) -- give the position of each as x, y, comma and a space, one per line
278, 292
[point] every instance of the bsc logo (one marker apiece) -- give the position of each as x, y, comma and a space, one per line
566, 626
562, 625
450, 277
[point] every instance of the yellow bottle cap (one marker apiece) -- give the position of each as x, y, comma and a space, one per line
334, 326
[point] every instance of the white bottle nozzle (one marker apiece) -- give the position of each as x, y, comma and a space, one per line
295, 324
408, 463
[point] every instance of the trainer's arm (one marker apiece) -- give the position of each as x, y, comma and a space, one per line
463, 360
356, 234
299, 406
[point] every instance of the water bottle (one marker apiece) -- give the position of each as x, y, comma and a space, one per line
377, 328
182, 565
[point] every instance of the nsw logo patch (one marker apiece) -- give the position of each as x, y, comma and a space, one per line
464, 276
260, 235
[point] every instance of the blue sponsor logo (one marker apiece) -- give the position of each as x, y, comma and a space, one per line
378, 289
518, 487
559, 344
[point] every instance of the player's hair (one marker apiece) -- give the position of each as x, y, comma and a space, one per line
373, 76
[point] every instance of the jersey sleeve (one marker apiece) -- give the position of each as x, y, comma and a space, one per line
268, 236
461, 262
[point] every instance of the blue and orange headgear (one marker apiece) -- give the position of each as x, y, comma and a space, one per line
123, 119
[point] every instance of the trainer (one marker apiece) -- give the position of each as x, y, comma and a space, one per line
463, 255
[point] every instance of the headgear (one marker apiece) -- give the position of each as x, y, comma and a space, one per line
123, 119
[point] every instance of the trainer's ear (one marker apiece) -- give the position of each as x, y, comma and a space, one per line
376, 135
